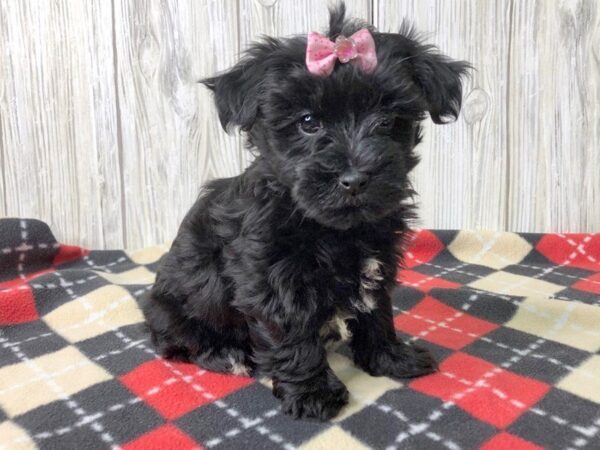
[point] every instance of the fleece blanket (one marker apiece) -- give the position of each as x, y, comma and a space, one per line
514, 320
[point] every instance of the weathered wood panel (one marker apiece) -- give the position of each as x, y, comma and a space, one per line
287, 17
106, 134
554, 116
461, 179
170, 134
58, 118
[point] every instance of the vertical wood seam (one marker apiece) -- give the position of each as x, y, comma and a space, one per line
372, 11
119, 130
2, 167
507, 177
242, 147
2, 156
3, 162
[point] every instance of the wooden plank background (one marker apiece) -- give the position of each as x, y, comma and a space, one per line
107, 136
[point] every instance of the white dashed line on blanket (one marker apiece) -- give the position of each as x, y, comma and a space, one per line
219, 403
510, 362
27, 247
439, 412
550, 359
48, 286
104, 267
481, 382
94, 425
61, 395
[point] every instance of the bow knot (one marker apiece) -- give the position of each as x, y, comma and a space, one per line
358, 49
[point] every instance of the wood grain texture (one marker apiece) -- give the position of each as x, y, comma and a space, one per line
106, 134
58, 118
171, 139
554, 116
461, 179
287, 17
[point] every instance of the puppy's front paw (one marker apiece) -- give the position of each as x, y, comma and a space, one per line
401, 361
321, 398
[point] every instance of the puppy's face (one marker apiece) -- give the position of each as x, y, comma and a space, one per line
342, 144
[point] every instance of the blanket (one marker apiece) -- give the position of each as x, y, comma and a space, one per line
514, 320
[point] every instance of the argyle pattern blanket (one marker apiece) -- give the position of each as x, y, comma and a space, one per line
514, 320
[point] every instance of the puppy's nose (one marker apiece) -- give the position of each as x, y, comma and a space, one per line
353, 181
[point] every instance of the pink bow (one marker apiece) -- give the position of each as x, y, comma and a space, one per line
358, 49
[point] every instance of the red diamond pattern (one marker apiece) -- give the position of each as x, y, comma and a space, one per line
590, 284
422, 282
492, 395
174, 389
167, 437
575, 250
442, 325
423, 247
68, 253
504, 441
17, 305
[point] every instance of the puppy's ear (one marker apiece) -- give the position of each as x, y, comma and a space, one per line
440, 78
236, 91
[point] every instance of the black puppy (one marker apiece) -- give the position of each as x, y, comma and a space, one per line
312, 230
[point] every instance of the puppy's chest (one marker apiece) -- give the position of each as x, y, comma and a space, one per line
346, 271
353, 278
366, 282
358, 296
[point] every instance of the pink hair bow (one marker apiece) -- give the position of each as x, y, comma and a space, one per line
358, 49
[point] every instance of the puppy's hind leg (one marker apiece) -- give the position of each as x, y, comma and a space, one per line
223, 352
182, 338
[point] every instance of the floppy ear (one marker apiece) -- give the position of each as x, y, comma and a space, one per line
440, 78
236, 91
236, 95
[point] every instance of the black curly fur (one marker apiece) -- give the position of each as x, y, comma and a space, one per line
264, 260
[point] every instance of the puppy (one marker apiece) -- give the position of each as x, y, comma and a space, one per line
313, 229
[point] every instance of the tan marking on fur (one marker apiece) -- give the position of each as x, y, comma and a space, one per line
336, 323
343, 327
371, 274
372, 269
238, 368
369, 301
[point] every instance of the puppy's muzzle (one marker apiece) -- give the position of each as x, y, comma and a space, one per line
353, 181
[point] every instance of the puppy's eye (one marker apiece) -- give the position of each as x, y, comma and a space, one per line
309, 124
385, 125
